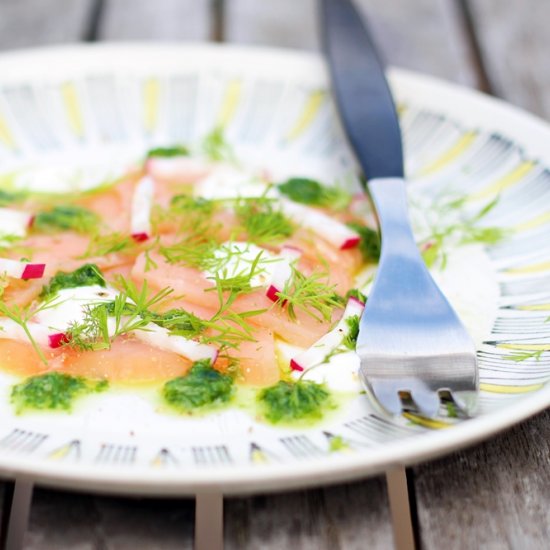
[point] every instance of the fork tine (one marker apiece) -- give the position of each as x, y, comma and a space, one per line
426, 401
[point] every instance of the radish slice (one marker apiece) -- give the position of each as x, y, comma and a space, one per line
14, 222
282, 271
335, 232
178, 169
21, 270
142, 202
316, 354
161, 338
58, 339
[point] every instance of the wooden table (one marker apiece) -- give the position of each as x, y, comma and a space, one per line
495, 495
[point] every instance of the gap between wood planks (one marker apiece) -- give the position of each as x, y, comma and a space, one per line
475, 52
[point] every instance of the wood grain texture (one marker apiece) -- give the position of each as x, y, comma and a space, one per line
496, 495
155, 20
68, 521
25, 23
515, 44
282, 23
348, 517
424, 35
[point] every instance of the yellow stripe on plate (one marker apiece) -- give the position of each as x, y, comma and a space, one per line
535, 222
307, 116
426, 422
5, 134
451, 154
258, 457
500, 388
526, 347
516, 175
533, 268
230, 103
69, 96
151, 103
534, 307
62, 452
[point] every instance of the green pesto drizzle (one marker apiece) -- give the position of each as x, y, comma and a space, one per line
201, 387
294, 401
52, 391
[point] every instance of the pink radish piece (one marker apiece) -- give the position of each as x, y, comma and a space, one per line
282, 272
21, 270
159, 337
142, 203
333, 231
58, 339
315, 355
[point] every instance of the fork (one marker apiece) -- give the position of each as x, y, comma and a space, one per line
415, 353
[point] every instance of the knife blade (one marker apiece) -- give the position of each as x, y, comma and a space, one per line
365, 103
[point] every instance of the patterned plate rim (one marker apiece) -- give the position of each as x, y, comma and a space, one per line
472, 108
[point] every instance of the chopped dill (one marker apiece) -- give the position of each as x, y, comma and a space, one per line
310, 294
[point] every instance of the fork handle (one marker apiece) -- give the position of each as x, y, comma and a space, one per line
390, 200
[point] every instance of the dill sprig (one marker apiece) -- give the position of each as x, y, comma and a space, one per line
192, 250
310, 294
22, 315
105, 321
216, 147
133, 309
110, 243
452, 227
263, 222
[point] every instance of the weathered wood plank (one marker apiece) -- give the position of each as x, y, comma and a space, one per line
25, 23
282, 23
72, 520
515, 43
423, 35
496, 495
158, 20
352, 516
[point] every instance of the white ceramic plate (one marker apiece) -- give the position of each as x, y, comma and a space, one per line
73, 116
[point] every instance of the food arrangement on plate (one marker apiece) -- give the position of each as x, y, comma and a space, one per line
189, 272
193, 274
164, 363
